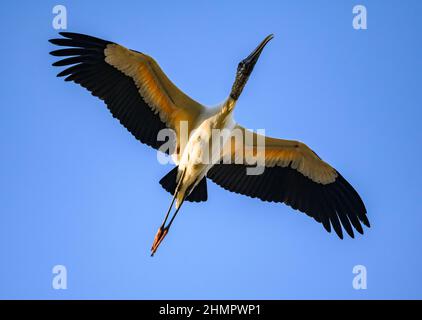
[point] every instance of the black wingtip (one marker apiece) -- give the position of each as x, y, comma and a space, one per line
69, 35
53, 41
359, 230
83, 37
63, 73
364, 220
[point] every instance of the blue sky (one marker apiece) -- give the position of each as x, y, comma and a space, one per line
77, 190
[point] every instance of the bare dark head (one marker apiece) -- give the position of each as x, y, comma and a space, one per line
245, 68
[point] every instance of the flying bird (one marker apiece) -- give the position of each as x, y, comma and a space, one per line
139, 94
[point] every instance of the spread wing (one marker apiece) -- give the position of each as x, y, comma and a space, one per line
133, 86
295, 175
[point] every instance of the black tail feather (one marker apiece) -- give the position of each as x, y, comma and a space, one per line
200, 192
169, 183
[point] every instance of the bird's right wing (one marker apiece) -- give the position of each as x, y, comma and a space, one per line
293, 174
133, 86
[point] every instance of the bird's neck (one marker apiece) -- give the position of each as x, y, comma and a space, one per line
228, 107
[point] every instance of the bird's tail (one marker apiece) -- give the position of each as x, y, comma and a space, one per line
199, 194
172, 183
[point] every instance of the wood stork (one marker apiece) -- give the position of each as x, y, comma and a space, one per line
145, 101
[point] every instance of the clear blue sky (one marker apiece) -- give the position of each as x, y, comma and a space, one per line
77, 189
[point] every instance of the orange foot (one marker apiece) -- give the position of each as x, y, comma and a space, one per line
161, 233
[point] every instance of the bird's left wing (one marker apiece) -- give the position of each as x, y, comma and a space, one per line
133, 86
293, 174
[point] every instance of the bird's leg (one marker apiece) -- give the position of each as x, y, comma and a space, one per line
162, 231
175, 214
176, 191
168, 211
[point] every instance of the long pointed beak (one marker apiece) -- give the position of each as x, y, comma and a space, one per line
253, 57
245, 68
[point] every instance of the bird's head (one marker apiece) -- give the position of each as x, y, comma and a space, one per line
245, 67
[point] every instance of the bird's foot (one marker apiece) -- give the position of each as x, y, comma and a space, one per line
161, 233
